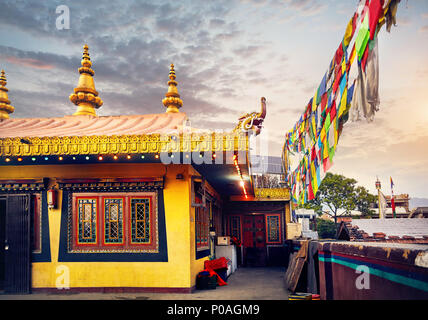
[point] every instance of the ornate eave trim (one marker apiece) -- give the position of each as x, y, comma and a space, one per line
111, 184
23, 185
124, 144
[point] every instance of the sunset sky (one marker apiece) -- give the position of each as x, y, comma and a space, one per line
227, 54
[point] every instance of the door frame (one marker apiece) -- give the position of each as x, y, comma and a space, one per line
18, 277
262, 249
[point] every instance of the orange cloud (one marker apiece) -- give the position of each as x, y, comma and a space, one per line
28, 62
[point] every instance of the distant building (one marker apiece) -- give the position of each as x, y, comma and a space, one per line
401, 206
419, 212
385, 230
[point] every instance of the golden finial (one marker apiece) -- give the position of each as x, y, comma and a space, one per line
172, 99
85, 97
5, 107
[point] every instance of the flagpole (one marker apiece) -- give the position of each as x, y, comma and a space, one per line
378, 197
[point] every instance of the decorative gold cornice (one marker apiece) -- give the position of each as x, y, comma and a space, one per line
125, 144
5, 107
85, 97
21, 185
172, 100
272, 193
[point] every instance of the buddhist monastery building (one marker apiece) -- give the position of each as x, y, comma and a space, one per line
131, 202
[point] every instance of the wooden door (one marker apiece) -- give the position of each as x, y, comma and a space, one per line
254, 240
17, 245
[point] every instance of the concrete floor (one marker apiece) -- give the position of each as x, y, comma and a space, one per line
244, 284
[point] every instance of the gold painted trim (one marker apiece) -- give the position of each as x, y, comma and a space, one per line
272, 193
129, 144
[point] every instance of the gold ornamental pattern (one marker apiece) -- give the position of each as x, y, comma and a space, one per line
272, 193
153, 143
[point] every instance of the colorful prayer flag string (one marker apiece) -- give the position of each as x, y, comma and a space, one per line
316, 134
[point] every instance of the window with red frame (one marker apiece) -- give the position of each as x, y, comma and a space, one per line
202, 226
117, 222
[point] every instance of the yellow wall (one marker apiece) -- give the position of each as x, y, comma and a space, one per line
180, 270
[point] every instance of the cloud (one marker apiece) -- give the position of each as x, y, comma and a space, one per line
28, 62
37, 60
423, 29
307, 8
247, 51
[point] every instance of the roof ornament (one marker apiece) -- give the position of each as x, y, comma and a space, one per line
85, 97
253, 121
5, 107
172, 100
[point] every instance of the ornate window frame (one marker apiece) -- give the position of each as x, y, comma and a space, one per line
235, 226
273, 228
96, 241
202, 228
153, 250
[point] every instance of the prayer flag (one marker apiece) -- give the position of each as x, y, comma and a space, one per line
314, 178
362, 37
324, 99
350, 29
350, 93
375, 12
327, 122
343, 103
339, 55
321, 89
314, 101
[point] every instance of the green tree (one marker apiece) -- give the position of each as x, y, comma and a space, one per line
363, 200
326, 229
336, 192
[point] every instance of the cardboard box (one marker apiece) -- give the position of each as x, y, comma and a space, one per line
223, 241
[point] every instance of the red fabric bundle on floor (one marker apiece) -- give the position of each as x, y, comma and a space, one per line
212, 265
219, 263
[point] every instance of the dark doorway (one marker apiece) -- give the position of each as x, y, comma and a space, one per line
15, 252
254, 240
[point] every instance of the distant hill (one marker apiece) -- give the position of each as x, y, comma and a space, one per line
418, 202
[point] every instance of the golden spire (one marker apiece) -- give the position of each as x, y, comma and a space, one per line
85, 97
172, 99
5, 107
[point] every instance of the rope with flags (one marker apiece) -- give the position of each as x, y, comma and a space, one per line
347, 90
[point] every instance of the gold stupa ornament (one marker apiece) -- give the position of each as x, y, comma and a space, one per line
85, 97
5, 107
172, 100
